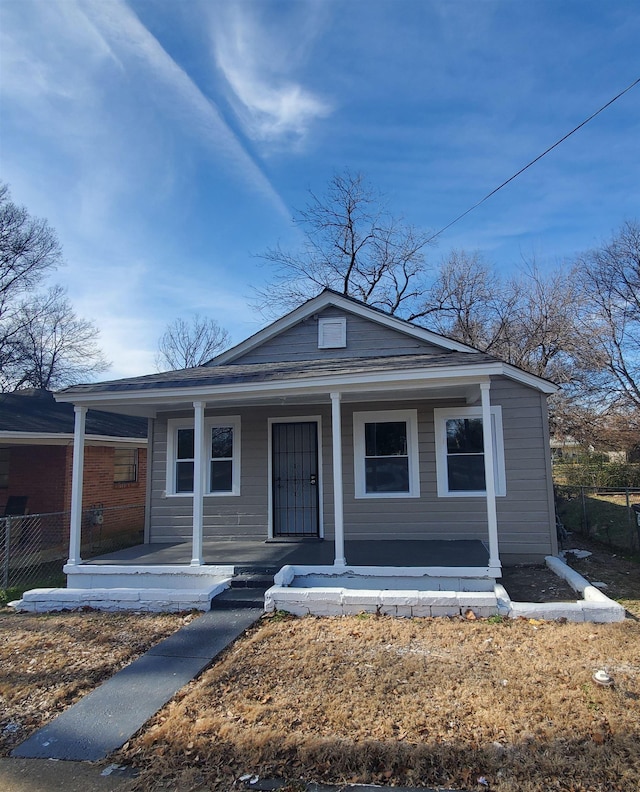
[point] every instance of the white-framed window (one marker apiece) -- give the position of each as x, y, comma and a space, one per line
222, 461
460, 452
332, 332
386, 454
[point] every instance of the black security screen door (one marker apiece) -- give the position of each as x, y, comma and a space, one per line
295, 479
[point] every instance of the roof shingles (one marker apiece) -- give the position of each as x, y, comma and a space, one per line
282, 371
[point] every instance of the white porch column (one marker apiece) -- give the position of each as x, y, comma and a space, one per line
489, 473
338, 508
199, 452
77, 475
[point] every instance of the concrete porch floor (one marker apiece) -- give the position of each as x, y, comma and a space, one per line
247, 555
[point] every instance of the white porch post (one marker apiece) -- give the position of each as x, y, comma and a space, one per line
490, 481
338, 509
77, 475
199, 451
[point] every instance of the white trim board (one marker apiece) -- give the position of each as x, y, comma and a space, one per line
381, 380
66, 439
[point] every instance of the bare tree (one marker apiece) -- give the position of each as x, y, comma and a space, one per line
528, 319
185, 344
42, 342
53, 346
610, 277
350, 244
29, 249
468, 301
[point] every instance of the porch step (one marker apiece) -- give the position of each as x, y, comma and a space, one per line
252, 580
246, 597
119, 599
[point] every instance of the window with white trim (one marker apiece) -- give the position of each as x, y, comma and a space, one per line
460, 451
386, 454
222, 456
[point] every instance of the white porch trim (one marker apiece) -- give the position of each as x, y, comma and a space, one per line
490, 482
338, 498
199, 451
77, 478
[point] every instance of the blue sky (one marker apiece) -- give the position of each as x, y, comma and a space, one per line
169, 141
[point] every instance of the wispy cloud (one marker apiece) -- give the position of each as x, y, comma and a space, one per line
270, 103
128, 37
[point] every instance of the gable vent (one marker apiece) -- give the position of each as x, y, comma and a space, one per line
332, 333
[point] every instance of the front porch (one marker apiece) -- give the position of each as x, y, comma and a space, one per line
162, 576
246, 555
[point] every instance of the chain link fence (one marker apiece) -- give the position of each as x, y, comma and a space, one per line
610, 515
35, 547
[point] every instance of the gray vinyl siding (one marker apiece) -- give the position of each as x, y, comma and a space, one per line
364, 339
525, 515
244, 516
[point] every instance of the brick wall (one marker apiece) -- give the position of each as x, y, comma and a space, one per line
39, 472
43, 473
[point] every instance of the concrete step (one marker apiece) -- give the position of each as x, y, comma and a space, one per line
252, 580
105, 576
118, 599
239, 598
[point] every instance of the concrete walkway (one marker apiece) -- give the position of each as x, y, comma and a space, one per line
107, 717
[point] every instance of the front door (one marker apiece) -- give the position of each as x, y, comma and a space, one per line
295, 479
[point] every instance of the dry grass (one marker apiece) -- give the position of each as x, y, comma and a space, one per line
424, 702
413, 702
48, 661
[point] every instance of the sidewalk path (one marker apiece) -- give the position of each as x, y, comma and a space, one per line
107, 717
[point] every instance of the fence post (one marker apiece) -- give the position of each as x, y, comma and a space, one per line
585, 519
7, 553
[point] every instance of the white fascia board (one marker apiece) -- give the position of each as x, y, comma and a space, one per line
323, 301
387, 380
533, 381
63, 438
376, 380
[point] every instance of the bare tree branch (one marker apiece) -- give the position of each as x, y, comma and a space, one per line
352, 245
185, 344
610, 278
53, 347
42, 342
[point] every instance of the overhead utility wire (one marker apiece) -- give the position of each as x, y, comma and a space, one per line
533, 161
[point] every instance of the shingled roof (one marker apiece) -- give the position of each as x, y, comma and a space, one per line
35, 411
287, 371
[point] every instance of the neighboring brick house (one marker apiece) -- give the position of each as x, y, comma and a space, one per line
36, 452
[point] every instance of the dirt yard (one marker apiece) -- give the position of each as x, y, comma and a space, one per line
405, 702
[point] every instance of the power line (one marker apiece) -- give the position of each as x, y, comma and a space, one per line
533, 161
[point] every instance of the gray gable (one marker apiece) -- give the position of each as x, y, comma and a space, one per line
364, 338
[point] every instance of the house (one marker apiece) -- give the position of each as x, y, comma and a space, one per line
36, 450
566, 449
338, 436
